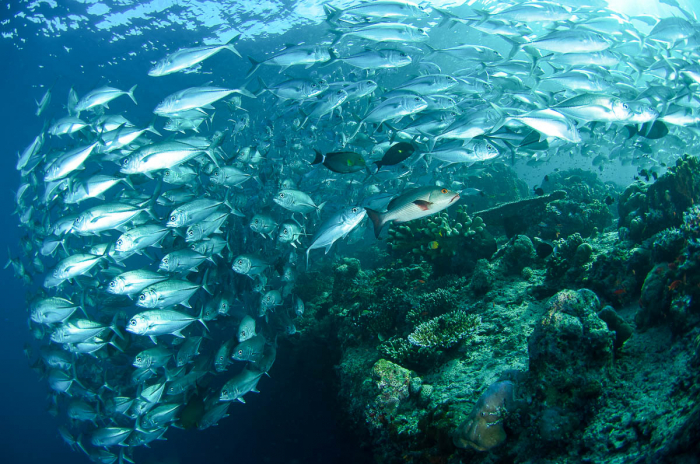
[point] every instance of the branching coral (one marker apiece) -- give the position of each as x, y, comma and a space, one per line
444, 331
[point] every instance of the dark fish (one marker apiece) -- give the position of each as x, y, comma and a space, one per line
539, 191
342, 162
649, 130
396, 154
609, 200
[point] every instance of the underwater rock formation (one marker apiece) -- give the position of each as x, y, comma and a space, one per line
483, 429
517, 216
623, 331
570, 347
646, 209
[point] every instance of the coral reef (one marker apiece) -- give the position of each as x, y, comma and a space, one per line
450, 238
646, 209
424, 332
517, 217
444, 331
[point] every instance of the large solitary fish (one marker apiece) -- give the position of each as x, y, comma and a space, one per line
413, 204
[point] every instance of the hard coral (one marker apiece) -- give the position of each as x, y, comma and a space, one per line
444, 331
483, 429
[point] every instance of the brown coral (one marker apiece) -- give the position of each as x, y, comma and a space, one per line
483, 429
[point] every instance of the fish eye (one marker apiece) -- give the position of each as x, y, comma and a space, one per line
240, 352
402, 54
256, 221
173, 218
165, 260
216, 173
281, 195
490, 147
225, 392
625, 106
221, 358
141, 297
133, 321
138, 358
242, 333
354, 210
167, 173
126, 161
417, 99
285, 231
313, 85
443, 190
191, 233
120, 241
240, 262
112, 283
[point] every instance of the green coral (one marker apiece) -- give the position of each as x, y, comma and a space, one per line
444, 331
432, 304
401, 351
437, 235
446, 239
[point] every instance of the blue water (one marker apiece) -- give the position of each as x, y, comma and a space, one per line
296, 419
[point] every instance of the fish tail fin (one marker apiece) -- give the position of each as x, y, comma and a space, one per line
307, 258
357, 129
83, 296
210, 151
115, 345
447, 17
201, 318
263, 87
255, 65
130, 93
320, 207
338, 36
483, 15
377, 219
205, 287
229, 45
79, 442
113, 327
75, 375
332, 13
319, 157
128, 182
9, 258
152, 129
245, 92
514, 47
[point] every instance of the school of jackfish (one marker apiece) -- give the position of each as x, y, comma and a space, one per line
168, 256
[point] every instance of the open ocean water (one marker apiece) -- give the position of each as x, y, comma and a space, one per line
298, 416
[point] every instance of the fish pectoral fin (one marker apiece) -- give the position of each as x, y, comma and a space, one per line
422, 204
178, 334
153, 339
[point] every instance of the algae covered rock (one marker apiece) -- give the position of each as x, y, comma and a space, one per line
654, 300
519, 253
648, 209
623, 331
393, 383
570, 347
